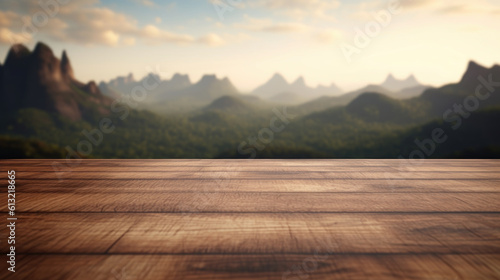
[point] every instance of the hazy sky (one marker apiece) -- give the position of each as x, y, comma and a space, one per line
253, 39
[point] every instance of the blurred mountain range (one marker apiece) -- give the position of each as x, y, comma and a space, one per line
179, 95
45, 107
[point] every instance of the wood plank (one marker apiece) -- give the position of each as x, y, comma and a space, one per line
306, 233
67, 234
48, 164
245, 175
259, 168
224, 184
125, 267
235, 202
257, 233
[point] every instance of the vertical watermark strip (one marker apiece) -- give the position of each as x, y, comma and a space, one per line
11, 220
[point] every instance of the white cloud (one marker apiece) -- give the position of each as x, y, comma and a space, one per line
7, 18
365, 10
212, 40
414, 4
9, 37
284, 27
82, 22
267, 25
468, 9
147, 3
321, 35
110, 37
154, 35
299, 9
443, 6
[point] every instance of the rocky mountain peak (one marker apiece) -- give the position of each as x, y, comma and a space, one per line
66, 69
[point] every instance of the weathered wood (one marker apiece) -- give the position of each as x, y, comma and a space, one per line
256, 219
249, 267
258, 168
228, 184
262, 175
251, 233
235, 202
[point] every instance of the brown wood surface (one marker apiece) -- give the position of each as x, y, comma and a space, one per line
255, 219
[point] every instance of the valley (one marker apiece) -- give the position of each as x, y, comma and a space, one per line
47, 112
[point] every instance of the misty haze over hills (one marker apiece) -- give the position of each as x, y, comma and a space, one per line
46, 110
278, 90
394, 84
179, 95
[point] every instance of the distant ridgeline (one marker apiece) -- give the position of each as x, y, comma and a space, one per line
47, 113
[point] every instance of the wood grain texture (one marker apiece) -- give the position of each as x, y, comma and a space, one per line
244, 186
273, 266
280, 202
255, 219
264, 175
218, 233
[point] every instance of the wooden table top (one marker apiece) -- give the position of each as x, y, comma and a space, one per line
254, 219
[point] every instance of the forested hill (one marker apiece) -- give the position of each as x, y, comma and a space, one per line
48, 113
